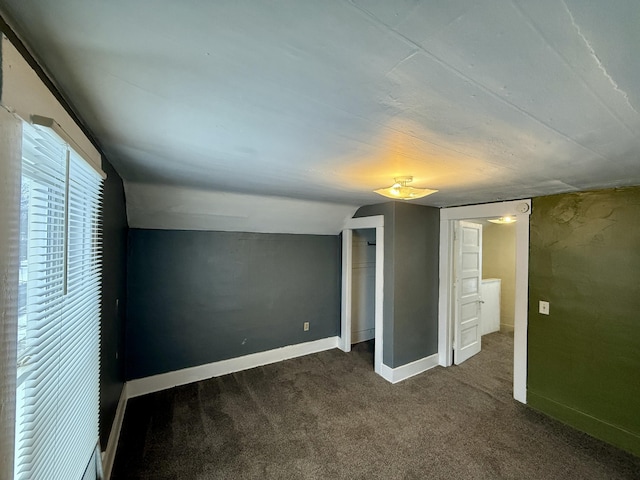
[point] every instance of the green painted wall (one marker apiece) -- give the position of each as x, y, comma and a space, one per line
584, 358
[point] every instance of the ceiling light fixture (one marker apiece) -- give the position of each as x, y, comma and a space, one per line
503, 220
400, 191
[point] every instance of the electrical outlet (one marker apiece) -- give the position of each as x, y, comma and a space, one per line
543, 307
305, 326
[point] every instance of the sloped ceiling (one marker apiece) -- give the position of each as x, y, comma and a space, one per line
327, 101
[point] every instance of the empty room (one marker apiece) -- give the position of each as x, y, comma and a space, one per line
315, 240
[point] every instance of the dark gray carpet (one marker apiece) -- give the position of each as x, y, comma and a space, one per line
328, 415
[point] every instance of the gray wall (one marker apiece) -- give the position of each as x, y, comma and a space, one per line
411, 281
114, 279
198, 297
416, 265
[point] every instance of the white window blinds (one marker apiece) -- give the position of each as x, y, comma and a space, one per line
59, 313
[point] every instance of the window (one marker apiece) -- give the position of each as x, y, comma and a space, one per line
57, 395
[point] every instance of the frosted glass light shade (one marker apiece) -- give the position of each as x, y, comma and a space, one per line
401, 191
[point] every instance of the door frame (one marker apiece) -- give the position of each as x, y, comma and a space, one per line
521, 209
344, 341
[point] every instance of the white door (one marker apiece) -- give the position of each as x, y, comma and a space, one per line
467, 280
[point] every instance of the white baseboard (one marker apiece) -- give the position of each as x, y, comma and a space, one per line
155, 383
163, 381
395, 375
109, 455
363, 335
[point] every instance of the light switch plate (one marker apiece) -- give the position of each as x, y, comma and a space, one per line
543, 307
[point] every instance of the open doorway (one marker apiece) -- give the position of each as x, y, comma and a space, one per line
363, 285
449, 218
484, 270
374, 224
498, 288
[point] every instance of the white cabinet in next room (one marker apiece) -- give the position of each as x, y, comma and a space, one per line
490, 311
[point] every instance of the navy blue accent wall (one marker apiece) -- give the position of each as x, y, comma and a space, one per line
114, 291
197, 297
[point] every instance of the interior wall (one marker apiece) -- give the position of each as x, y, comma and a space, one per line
499, 261
411, 280
417, 237
164, 207
114, 294
199, 297
584, 357
24, 93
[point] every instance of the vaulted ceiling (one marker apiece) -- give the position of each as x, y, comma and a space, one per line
329, 100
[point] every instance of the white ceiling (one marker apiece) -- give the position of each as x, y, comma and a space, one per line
327, 101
